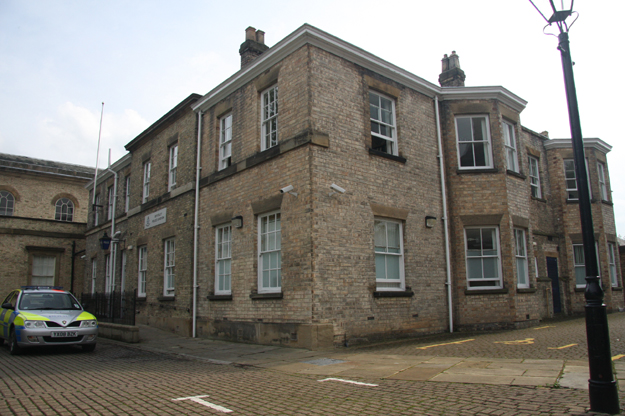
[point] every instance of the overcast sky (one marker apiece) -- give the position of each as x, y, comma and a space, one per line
60, 59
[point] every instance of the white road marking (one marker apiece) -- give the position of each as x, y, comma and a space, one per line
349, 381
198, 399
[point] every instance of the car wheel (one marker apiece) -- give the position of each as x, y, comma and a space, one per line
88, 347
14, 349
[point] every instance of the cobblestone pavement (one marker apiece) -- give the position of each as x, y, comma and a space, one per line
552, 339
118, 380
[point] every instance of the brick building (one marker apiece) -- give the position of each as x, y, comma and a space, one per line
43, 216
152, 189
338, 198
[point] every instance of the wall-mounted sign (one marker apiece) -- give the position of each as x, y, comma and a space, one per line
157, 218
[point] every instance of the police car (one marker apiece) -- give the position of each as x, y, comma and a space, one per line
36, 316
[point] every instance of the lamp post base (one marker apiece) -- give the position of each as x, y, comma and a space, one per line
602, 388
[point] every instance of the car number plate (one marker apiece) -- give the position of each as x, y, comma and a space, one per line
64, 334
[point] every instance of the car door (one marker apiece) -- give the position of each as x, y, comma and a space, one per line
5, 315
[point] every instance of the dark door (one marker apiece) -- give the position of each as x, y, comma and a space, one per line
552, 273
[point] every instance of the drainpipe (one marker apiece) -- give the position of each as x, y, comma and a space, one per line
113, 239
441, 163
196, 224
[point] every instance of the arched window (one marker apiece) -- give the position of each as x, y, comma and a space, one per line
7, 203
64, 210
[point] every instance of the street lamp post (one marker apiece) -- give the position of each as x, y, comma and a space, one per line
602, 387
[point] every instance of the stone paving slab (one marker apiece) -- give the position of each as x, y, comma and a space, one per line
473, 379
416, 374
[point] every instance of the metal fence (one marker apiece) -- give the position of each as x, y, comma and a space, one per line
114, 307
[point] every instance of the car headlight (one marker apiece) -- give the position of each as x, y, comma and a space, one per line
89, 324
34, 324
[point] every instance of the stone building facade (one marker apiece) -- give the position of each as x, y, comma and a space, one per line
338, 199
153, 223
43, 216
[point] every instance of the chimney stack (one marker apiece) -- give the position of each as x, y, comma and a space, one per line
451, 75
253, 46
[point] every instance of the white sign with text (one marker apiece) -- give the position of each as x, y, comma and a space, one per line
157, 218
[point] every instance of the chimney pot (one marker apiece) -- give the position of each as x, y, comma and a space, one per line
260, 37
250, 33
445, 62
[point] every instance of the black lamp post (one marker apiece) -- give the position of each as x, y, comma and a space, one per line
602, 387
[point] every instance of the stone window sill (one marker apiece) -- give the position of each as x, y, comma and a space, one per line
219, 297
469, 292
166, 298
259, 296
526, 290
516, 174
387, 155
408, 293
462, 171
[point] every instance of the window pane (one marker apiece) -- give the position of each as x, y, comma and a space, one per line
474, 240
488, 239
474, 268
580, 276
479, 129
380, 266
464, 129
392, 267
481, 157
491, 267
393, 237
521, 268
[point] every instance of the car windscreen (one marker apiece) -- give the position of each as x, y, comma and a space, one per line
48, 302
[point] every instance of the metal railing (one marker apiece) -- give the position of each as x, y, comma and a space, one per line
113, 307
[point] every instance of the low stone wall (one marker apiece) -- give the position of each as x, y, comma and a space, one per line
124, 333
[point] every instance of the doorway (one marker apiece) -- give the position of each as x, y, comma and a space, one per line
552, 273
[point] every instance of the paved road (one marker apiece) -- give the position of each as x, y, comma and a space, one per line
147, 379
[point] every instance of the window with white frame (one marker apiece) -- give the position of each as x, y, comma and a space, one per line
64, 210
603, 186
107, 274
111, 201
571, 179
43, 270
383, 131
225, 141
94, 273
127, 199
7, 203
170, 264
173, 166
483, 258
522, 271
389, 255
143, 270
269, 118
223, 259
534, 177
96, 210
474, 145
579, 264
147, 172
269, 253
512, 160
612, 264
